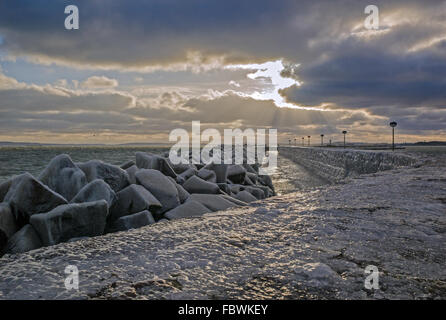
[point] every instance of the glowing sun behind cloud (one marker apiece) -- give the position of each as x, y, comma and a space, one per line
271, 73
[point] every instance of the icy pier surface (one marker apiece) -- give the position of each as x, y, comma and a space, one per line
305, 245
337, 164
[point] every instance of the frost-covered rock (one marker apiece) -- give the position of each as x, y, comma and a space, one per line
28, 196
188, 173
266, 181
266, 190
221, 171
181, 167
152, 161
94, 191
116, 177
197, 185
182, 193
207, 175
224, 187
188, 209
252, 176
131, 171
236, 173
245, 196
250, 168
133, 199
234, 200
127, 164
4, 188
63, 176
236, 188
133, 221
256, 192
26, 239
213, 202
70, 221
8, 225
160, 186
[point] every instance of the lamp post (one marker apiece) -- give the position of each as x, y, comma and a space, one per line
322, 140
303, 141
309, 140
344, 133
393, 125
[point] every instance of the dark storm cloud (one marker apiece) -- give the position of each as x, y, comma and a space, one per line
373, 80
135, 33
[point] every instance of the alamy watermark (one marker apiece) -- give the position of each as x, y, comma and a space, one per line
235, 143
372, 20
72, 20
72, 280
372, 279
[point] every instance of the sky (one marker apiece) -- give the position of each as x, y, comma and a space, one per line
135, 70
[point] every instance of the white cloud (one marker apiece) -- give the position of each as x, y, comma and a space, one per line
275, 81
235, 84
99, 82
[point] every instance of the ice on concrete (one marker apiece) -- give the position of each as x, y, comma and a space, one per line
337, 164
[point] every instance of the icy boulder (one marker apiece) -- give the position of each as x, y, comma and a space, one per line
127, 165
151, 161
207, 175
133, 221
116, 177
188, 209
245, 196
133, 199
197, 185
71, 221
94, 191
221, 171
160, 186
28, 196
186, 174
4, 188
8, 225
236, 173
26, 239
131, 171
63, 176
182, 193
213, 202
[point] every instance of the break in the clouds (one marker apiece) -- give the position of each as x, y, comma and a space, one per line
136, 69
